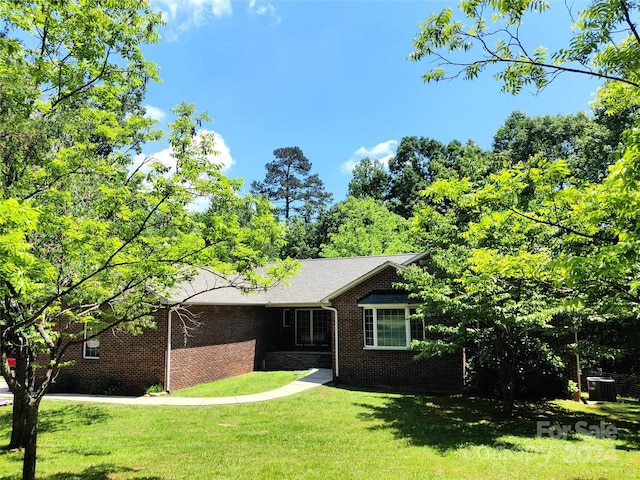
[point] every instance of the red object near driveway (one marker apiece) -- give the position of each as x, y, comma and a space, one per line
12, 360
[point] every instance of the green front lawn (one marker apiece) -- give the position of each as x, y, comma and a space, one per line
325, 433
254, 382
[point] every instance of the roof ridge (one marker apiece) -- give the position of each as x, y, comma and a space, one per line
356, 257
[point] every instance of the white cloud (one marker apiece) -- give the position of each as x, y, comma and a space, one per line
155, 112
165, 156
187, 13
382, 151
224, 157
264, 8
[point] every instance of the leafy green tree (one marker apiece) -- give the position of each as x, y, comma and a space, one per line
364, 226
289, 182
507, 317
91, 237
260, 234
594, 221
411, 171
370, 179
300, 239
421, 161
540, 223
585, 144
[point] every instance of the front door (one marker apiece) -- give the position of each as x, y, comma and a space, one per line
313, 328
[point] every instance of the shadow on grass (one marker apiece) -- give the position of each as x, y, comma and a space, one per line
53, 420
105, 471
70, 416
99, 472
61, 418
456, 422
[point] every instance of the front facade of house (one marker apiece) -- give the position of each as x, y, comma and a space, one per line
342, 314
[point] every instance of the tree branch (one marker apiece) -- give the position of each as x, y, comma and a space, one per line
563, 227
627, 17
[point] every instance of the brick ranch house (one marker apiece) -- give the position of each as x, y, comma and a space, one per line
340, 313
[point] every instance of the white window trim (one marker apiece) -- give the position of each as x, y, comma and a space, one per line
286, 318
84, 346
375, 308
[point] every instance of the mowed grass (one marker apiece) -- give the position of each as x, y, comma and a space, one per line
255, 382
328, 433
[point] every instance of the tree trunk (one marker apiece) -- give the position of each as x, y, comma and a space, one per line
24, 433
31, 431
18, 428
509, 385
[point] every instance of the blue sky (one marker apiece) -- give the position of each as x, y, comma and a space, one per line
331, 77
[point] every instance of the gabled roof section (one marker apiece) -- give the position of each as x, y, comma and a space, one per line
387, 298
317, 281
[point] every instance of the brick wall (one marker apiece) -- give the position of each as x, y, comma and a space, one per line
297, 360
133, 362
232, 340
389, 368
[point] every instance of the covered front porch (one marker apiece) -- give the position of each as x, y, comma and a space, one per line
302, 339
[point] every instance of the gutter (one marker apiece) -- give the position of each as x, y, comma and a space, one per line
167, 379
336, 374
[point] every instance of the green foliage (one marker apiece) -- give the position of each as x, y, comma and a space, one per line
289, 182
584, 143
550, 240
109, 386
604, 45
481, 289
300, 239
91, 233
155, 388
364, 226
370, 179
421, 161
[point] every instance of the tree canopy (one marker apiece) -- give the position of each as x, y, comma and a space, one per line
364, 226
548, 240
289, 182
93, 234
604, 45
583, 141
370, 179
421, 161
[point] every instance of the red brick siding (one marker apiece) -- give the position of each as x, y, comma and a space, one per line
392, 368
232, 340
135, 362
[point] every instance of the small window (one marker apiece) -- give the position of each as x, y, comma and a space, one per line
286, 318
416, 325
369, 339
91, 343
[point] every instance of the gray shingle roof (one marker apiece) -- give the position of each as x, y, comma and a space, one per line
317, 281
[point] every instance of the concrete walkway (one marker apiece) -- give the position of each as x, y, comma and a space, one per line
315, 377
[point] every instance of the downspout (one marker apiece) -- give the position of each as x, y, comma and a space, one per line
335, 334
167, 383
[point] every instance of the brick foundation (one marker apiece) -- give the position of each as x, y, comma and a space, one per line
297, 360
